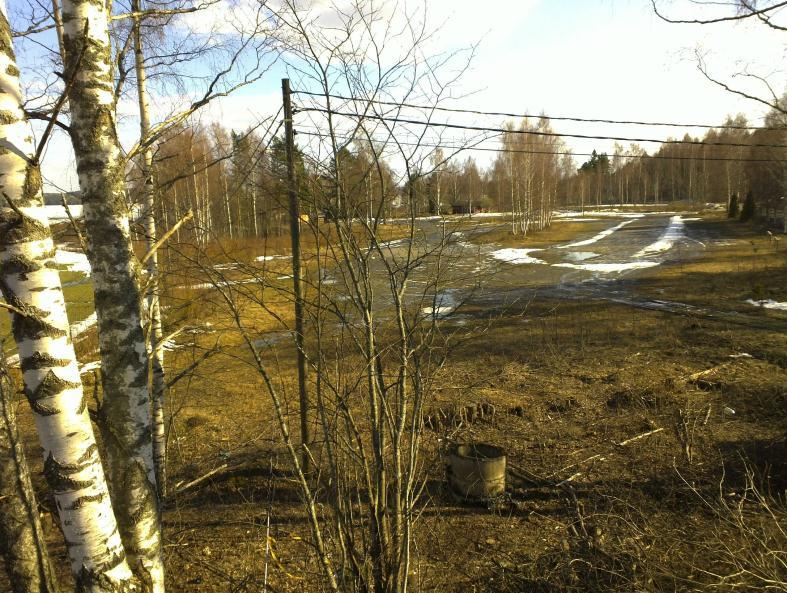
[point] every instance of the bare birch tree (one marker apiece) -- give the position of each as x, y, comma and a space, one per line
22, 541
31, 286
125, 417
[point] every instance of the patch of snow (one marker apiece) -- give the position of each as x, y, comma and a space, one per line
768, 304
741, 355
597, 237
578, 219
223, 283
612, 267
394, 243
444, 304
514, 255
270, 257
578, 256
81, 327
672, 234
73, 261
614, 213
90, 366
229, 266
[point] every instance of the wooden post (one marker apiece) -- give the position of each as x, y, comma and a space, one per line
292, 191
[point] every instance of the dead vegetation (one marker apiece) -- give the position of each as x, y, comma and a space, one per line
646, 453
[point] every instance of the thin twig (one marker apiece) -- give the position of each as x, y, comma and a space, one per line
80, 236
61, 99
166, 236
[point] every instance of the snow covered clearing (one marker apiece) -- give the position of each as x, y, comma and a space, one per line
513, 255
597, 237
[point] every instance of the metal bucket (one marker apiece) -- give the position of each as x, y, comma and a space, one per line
477, 471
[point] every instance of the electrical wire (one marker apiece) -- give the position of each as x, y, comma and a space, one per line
527, 115
546, 152
530, 132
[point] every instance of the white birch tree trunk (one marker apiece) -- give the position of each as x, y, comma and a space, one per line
22, 541
152, 298
31, 284
125, 417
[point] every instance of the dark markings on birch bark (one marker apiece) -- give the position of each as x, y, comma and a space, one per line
57, 476
82, 500
91, 580
42, 360
49, 387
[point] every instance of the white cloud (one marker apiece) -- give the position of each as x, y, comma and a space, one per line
590, 58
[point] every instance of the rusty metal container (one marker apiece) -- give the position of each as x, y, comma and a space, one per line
477, 471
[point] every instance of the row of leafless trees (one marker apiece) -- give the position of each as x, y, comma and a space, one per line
698, 170
235, 182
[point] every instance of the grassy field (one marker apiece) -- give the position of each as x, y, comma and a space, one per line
647, 448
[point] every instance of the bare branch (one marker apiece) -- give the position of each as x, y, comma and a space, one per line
738, 17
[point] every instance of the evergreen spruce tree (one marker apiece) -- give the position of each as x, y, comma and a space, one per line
747, 212
733, 209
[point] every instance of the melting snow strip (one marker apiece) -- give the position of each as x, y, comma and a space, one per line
517, 256
80, 327
612, 267
597, 213
672, 234
598, 237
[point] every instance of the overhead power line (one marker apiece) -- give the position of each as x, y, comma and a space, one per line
448, 125
530, 115
471, 147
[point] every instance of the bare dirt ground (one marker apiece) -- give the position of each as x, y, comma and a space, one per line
574, 366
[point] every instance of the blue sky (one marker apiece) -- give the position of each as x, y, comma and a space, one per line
589, 58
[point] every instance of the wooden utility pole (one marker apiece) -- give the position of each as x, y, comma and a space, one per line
295, 231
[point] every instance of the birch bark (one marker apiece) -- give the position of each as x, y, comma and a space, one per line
22, 541
152, 297
30, 282
126, 415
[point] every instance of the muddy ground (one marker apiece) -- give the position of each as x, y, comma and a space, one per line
573, 366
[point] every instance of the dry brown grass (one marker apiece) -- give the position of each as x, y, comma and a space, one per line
567, 381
